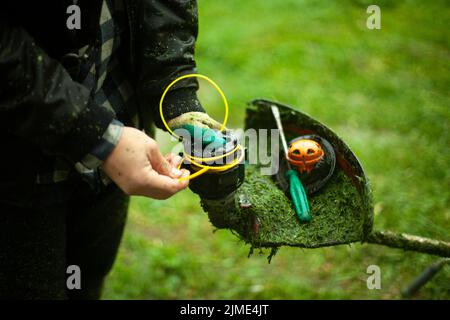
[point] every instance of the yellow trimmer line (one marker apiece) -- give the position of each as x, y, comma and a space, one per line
197, 161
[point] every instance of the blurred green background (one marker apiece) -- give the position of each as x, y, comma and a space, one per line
385, 92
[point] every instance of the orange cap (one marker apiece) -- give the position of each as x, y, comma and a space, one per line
304, 154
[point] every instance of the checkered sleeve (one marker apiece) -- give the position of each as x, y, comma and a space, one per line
106, 145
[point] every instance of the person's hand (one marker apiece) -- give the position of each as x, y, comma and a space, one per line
200, 126
196, 119
137, 166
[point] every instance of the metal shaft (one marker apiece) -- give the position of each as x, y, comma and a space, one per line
424, 277
276, 115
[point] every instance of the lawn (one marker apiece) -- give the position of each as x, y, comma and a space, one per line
385, 92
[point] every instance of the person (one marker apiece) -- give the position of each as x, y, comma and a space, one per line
77, 108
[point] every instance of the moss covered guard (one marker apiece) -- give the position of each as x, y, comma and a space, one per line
261, 214
341, 211
270, 221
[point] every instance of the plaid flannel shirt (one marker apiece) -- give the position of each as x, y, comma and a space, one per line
101, 72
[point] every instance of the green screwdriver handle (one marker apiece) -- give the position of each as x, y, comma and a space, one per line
298, 195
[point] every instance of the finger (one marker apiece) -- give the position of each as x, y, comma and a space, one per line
169, 157
161, 165
161, 187
174, 160
183, 180
185, 174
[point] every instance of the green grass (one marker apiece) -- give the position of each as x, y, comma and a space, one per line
384, 91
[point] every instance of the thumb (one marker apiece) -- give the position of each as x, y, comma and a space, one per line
161, 165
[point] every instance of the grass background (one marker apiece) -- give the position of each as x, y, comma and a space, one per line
386, 92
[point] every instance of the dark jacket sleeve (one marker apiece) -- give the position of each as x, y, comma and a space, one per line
40, 103
166, 32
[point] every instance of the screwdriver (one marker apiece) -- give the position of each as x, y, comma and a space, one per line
296, 189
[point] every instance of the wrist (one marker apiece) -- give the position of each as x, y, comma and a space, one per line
104, 147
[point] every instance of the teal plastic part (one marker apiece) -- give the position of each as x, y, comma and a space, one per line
208, 135
298, 196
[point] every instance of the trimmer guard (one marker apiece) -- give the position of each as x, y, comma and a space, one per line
261, 213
